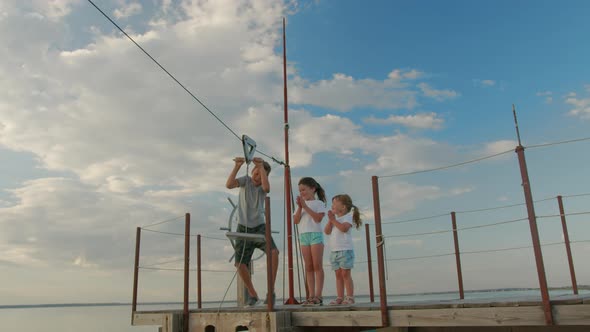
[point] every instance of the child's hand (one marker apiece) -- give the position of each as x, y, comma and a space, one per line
298, 201
239, 161
331, 215
257, 161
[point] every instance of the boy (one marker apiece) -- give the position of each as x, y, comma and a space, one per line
253, 190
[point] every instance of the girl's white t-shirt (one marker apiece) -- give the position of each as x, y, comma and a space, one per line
306, 223
342, 241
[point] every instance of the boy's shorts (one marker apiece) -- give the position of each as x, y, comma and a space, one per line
244, 248
308, 239
343, 259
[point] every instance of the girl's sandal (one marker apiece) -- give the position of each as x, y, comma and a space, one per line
348, 300
336, 301
308, 302
318, 300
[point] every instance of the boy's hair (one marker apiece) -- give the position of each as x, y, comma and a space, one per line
347, 202
266, 167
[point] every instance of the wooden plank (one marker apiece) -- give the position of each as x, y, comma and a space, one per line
578, 314
336, 318
491, 316
245, 236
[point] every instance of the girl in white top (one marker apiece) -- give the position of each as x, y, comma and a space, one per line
308, 216
341, 218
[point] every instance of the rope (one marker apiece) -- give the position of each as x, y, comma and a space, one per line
419, 257
489, 209
175, 79
483, 158
162, 222
563, 215
446, 167
162, 263
182, 269
577, 195
458, 229
412, 220
557, 143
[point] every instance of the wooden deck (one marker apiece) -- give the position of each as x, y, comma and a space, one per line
571, 313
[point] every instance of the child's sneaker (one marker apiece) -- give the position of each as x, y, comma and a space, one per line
252, 301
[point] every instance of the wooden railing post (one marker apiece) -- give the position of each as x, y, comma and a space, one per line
379, 242
187, 234
269, 267
528, 196
369, 263
457, 256
568, 249
135, 273
199, 303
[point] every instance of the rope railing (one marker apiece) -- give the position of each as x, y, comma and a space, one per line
458, 229
163, 222
478, 210
563, 215
416, 219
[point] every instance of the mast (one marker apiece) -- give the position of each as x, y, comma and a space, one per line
291, 299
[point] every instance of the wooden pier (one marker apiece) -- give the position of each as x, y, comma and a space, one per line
570, 313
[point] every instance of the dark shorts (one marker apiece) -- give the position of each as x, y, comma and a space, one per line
245, 248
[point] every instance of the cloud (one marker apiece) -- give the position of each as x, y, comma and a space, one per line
548, 96
484, 83
420, 121
581, 106
344, 93
438, 95
500, 146
128, 10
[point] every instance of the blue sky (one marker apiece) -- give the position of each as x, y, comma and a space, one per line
96, 140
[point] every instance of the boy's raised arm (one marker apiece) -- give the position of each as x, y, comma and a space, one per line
263, 176
232, 182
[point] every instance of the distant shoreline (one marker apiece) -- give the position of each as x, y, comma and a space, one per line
114, 304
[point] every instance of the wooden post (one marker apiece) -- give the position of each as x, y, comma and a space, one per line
566, 240
379, 241
187, 234
526, 186
369, 263
135, 273
269, 267
457, 256
528, 197
199, 303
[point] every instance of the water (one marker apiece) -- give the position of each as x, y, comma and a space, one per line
117, 318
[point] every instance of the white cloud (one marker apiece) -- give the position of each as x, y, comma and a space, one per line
345, 93
438, 95
496, 147
581, 106
548, 96
484, 83
127, 10
421, 120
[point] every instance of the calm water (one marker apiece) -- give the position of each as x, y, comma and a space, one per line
118, 318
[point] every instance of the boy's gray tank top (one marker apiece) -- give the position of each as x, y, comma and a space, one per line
251, 203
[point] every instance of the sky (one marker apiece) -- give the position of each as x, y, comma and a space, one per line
96, 140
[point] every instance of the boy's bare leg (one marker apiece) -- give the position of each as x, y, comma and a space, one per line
245, 275
275, 266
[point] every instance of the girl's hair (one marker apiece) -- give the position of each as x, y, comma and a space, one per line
347, 202
312, 183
